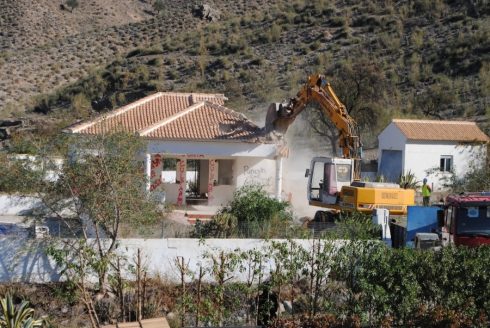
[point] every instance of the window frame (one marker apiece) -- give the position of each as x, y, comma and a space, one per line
443, 163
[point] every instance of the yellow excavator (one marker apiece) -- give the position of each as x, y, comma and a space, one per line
335, 183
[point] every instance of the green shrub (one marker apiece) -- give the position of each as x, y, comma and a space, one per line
252, 204
251, 214
406, 287
354, 226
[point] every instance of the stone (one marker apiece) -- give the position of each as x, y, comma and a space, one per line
205, 11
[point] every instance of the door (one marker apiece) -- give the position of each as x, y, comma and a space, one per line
391, 165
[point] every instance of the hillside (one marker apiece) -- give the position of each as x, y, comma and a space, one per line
407, 58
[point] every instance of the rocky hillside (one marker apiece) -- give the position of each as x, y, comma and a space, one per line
417, 58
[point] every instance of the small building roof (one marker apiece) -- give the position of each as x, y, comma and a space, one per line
176, 116
147, 323
461, 131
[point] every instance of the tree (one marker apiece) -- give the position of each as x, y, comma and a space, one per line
359, 87
101, 185
203, 55
158, 5
72, 4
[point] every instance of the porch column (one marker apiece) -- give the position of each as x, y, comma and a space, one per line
278, 177
211, 178
182, 176
148, 171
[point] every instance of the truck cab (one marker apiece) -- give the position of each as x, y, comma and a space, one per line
465, 220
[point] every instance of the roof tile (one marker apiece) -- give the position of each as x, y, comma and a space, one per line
176, 116
461, 131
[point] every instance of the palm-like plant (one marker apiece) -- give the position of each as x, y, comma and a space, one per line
409, 181
20, 316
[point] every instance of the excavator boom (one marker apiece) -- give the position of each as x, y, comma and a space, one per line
334, 183
317, 89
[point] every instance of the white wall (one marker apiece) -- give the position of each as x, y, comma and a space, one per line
214, 149
17, 204
422, 156
25, 259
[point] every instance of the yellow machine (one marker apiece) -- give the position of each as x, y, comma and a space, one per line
334, 183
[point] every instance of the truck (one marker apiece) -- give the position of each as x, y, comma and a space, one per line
463, 220
334, 183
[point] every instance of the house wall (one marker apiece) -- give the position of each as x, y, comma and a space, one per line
423, 156
256, 171
252, 163
214, 149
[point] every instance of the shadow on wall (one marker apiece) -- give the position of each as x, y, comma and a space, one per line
24, 260
19, 205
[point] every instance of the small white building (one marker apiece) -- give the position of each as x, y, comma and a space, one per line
430, 149
198, 151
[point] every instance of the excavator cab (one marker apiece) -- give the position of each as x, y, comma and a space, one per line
326, 177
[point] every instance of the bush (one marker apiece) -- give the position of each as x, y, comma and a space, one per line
252, 204
407, 287
354, 226
251, 214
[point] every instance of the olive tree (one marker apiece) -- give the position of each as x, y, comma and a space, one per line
358, 85
100, 185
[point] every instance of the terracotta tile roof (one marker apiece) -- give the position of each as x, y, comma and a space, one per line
144, 112
461, 131
176, 116
206, 121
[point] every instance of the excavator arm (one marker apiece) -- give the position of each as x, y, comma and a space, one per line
281, 116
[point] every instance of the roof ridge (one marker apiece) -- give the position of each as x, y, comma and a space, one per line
189, 94
116, 112
170, 119
230, 111
402, 120
220, 95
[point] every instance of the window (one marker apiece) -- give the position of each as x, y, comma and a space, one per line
343, 173
446, 164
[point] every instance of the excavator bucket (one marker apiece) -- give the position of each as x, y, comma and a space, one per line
274, 121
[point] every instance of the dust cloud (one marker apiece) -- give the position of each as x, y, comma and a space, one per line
303, 145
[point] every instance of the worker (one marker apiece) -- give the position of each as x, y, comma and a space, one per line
426, 191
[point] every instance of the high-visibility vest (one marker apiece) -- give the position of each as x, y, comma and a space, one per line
425, 190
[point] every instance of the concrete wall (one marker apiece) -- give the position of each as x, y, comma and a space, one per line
25, 259
422, 156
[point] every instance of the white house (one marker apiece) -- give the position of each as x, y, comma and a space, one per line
432, 149
198, 151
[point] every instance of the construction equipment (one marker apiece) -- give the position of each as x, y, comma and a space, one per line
335, 183
463, 219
